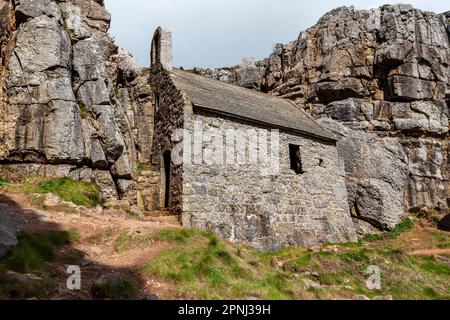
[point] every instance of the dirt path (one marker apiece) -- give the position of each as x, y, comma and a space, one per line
96, 250
430, 252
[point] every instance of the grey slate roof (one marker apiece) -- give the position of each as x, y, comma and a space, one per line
246, 104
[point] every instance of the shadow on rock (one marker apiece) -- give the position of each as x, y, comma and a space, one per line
444, 223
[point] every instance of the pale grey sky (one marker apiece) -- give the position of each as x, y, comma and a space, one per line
215, 33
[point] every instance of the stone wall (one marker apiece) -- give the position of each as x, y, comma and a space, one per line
169, 116
240, 203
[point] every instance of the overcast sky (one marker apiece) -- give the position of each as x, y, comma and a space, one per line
216, 33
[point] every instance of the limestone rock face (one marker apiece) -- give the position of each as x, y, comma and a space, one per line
377, 173
379, 79
70, 103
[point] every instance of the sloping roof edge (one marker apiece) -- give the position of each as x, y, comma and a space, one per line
262, 123
237, 102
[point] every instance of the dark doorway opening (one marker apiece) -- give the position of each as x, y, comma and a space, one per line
296, 160
167, 158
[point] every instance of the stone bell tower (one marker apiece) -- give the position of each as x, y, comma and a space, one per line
161, 52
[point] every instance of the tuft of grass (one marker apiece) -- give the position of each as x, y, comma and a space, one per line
84, 113
431, 293
328, 279
405, 226
3, 182
141, 167
372, 238
358, 256
175, 235
125, 241
436, 268
100, 237
35, 249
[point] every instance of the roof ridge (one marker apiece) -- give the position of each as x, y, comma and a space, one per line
230, 84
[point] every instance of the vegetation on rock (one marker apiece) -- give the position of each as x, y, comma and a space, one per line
77, 192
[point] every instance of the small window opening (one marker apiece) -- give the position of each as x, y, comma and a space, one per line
296, 161
321, 163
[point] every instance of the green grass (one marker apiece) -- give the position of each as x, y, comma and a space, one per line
141, 167
13, 289
78, 192
372, 238
436, 268
125, 242
35, 249
3, 182
203, 265
358, 256
175, 235
100, 237
405, 226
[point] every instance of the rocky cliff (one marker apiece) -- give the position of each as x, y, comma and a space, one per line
71, 103
379, 80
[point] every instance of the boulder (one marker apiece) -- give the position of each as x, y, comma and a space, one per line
128, 67
94, 14
444, 223
103, 286
248, 75
28, 9
10, 225
377, 172
106, 183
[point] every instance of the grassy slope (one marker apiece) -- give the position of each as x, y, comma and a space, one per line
201, 266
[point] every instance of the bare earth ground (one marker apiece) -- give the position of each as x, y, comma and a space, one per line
97, 258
